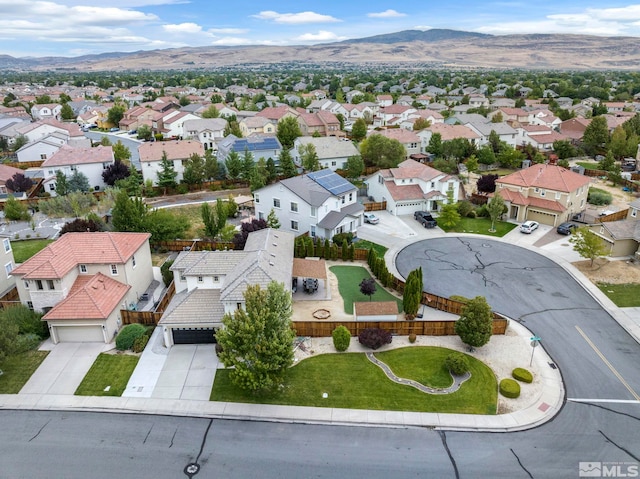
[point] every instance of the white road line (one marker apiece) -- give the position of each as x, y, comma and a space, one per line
618, 401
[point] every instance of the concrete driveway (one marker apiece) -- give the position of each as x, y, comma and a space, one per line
64, 368
188, 373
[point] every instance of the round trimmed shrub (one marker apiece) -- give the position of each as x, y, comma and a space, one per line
457, 363
412, 338
522, 374
140, 343
509, 388
373, 338
127, 336
341, 338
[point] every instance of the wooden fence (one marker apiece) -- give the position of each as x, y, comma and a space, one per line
617, 216
149, 318
375, 206
191, 245
10, 298
631, 185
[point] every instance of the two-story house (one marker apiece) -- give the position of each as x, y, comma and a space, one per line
257, 125
447, 133
321, 203
82, 280
42, 112
7, 279
91, 162
177, 151
322, 123
412, 186
210, 284
332, 152
622, 237
548, 194
261, 147
208, 131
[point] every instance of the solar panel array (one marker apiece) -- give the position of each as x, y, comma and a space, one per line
268, 143
331, 181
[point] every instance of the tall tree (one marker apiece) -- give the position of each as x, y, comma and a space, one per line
618, 143
475, 324
421, 124
359, 130
66, 113
248, 165
487, 183
128, 214
78, 182
115, 172
495, 208
211, 112
194, 172
435, 144
233, 164
257, 340
378, 150
132, 184
288, 130
62, 188
121, 153
115, 114
449, 216
167, 174
287, 167
272, 220
145, 133
354, 167
309, 157
587, 244
211, 166
19, 183
596, 135
272, 171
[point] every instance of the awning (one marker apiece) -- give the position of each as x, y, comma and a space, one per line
309, 268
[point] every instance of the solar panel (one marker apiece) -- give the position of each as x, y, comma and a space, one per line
242, 144
331, 181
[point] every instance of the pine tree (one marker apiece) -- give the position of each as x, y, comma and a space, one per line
287, 167
233, 164
167, 174
272, 220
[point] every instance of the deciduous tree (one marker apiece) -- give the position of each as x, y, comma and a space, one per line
19, 183
115, 172
309, 157
495, 208
587, 244
475, 323
288, 131
378, 150
359, 130
367, 285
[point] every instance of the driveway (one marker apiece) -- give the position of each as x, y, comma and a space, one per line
188, 373
64, 368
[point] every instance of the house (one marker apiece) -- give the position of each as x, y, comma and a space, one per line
548, 194
42, 148
207, 131
539, 136
277, 113
261, 147
259, 125
82, 280
173, 124
574, 128
622, 237
322, 123
43, 112
410, 140
137, 116
447, 133
6, 173
43, 128
410, 187
505, 132
320, 203
210, 284
393, 115
7, 280
384, 100
332, 152
514, 116
91, 162
177, 151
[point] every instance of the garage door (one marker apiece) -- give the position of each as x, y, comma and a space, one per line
79, 334
409, 208
541, 217
193, 335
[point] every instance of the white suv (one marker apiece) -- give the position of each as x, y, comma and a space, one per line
528, 226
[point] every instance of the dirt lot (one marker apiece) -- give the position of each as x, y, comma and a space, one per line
612, 272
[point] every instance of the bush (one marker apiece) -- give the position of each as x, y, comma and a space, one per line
460, 299
218, 348
522, 374
128, 335
341, 238
140, 343
167, 275
457, 363
464, 208
182, 189
373, 338
26, 342
341, 338
412, 338
599, 197
482, 211
472, 214
28, 322
509, 388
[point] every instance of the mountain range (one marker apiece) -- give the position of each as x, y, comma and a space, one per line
436, 48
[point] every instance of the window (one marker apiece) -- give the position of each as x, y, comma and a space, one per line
26, 284
536, 190
216, 279
342, 200
133, 261
239, 305
313, 231
52, 186
114, 269
256, 198
105, 166
43, 156
313, 211
634, 213
260, 215
182, 278
276, 203
333, 163
350, 197
39, 285
30, 305
8, 268
294, 225
542, 192
558, 195
50, 284
294, 206
433, 184
83, 268
7, 245
200, 279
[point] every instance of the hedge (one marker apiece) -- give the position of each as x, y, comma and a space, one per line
523, 375
509, 388
127, 336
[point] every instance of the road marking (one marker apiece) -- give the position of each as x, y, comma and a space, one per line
617, 401
613, 370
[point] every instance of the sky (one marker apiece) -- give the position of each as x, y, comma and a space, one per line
70, 28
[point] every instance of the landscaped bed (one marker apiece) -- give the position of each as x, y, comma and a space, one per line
352, 381
108, 370
349, 278
17, 369
481, 226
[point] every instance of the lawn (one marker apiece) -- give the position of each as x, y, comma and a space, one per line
588, 165
623, 295
351, 381
23, 250
17, 370
481, 226
349, 278
112, 370
364, 244
192, 212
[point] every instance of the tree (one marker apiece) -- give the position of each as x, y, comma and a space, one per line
105, 141
608, 162
115, 114
509, 157
564, 149
596, 135
165, 225
78, 182
475, 323
359, 130
257, 341
497, 118
485, 155
472, 164
259, 175
211, 112
8, 337
132, 184
167, 174
66, 113
496, 144
128, 214
233, 163
145, 133
19, 183
81, 225
62, 187
240, 239
412, 295
309, 157
14, 210
618, 144
587, 244
486, 183
211, 166
248, 165
495, 208
19, 142
354, 166
194, 171
288, 130
214, 218
272, 220
287, 167
115, 172
449, 216
367, 285
421, 124
121, 152
435, 144
272, 171
378, 150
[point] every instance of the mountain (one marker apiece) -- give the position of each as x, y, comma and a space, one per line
406, 49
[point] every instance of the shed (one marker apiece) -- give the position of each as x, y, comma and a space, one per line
375, 311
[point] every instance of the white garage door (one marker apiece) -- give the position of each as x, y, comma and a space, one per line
409, 208
542, 217
79, 334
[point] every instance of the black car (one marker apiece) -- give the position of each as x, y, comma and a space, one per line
566, 228
425, 219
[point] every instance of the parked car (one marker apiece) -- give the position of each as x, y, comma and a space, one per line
371, 218
425, 219
114, 129
529, 227
566, 228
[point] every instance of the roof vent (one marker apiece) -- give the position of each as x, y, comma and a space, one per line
275, 244
271, 263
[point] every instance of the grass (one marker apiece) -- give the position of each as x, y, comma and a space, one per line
17, 370
112, 370
349, 278
23, 250
623, 295
588, 165
192, 213
481, 226
378, 248
352, 381
157, 259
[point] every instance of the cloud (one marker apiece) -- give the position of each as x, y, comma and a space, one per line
422, 27
321, 36
386, 14
233, 41
183, 28
228, 31
295, 18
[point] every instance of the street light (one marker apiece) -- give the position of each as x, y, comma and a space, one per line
534, 342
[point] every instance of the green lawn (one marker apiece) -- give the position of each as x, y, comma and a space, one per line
18, 369
23, 250
352, 381
623, 295
378, 248
588, 165
481, 226
108, 370
349, 278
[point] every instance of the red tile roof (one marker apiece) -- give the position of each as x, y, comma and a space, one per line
451, 132
175, 150
95, 298
7, 172
67, 156
548, 177
516, 198
400, 134
72, 249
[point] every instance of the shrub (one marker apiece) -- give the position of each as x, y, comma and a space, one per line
599, 197
341, 338
28, 322
523, 375
140, 343
128, 335
218, 348
482, 211
373, 338
341, 238
167, 274
457, 297
472, 214
509, 388
412, 338
464, 208
182, 189
457, 363
26, 342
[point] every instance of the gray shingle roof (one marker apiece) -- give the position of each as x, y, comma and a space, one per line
307, 189
333, 218
199, 306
